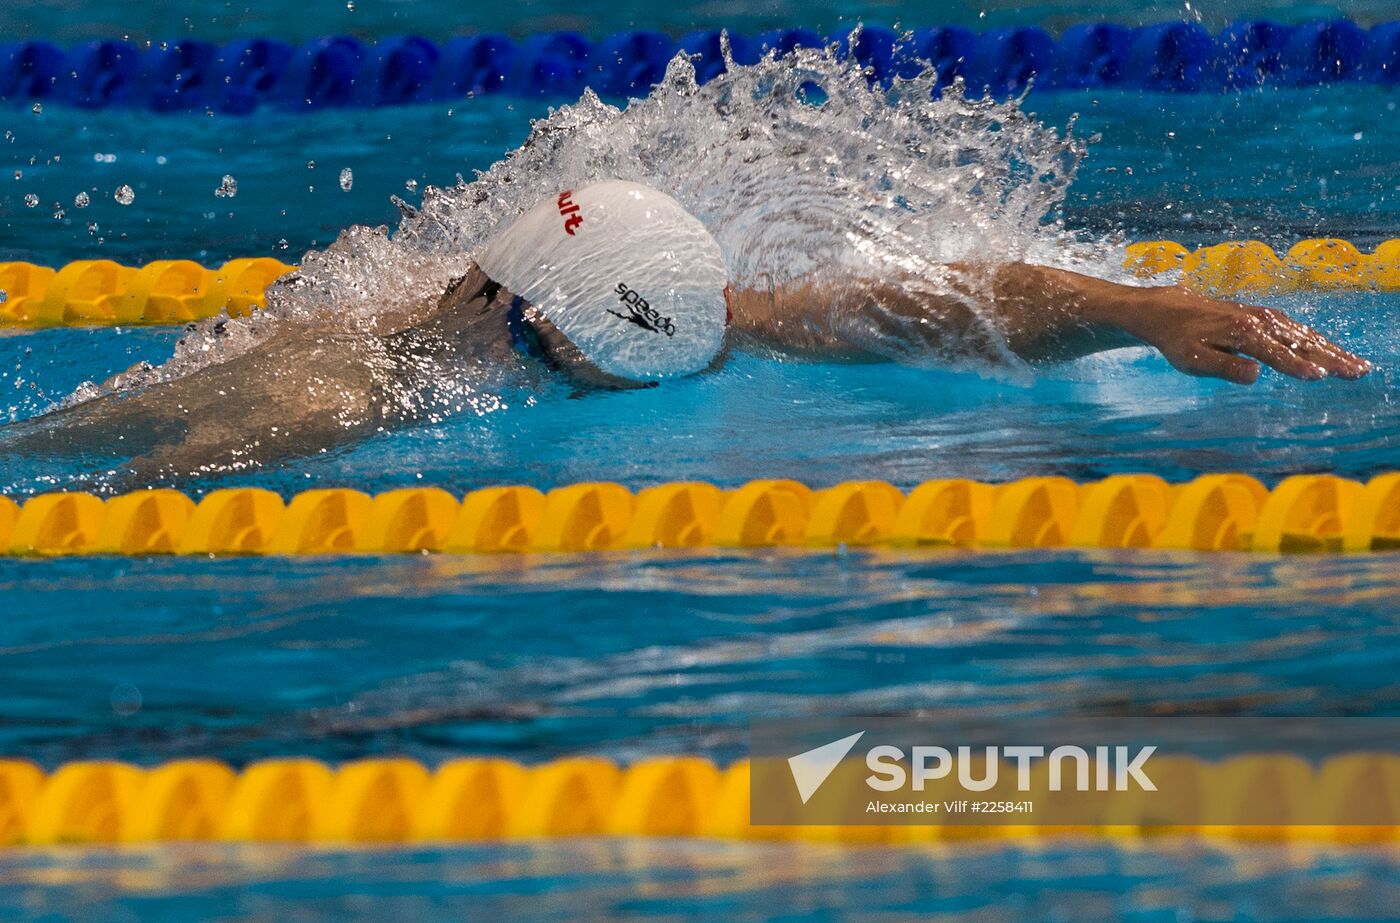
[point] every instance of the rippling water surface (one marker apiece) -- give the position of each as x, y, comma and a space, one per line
76, 20
631, 655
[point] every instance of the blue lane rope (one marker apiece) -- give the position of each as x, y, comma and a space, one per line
239, 77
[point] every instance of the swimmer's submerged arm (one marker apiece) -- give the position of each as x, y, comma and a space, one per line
291, 397
298, 393
295, 397
1044, 314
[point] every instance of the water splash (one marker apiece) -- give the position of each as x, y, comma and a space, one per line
797, 164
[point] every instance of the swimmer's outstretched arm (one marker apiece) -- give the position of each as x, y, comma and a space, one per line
1053, 314
1039, 314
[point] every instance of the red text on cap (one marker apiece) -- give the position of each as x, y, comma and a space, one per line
567, 207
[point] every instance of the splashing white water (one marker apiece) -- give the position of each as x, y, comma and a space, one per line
796, 164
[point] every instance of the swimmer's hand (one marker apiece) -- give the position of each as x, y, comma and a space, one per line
1051, 314
1225, 339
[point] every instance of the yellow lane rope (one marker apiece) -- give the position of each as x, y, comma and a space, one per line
392, 800
1215, 512
94, 293
1252, 268
100, 293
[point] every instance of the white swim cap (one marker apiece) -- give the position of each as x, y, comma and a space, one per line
626, 273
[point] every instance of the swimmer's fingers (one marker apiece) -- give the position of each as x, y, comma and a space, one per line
1316, 348
1287, 346
1221, 339
1208, 361
1252, 336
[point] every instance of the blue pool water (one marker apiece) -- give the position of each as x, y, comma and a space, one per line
636, 654
1275, 164
76, 20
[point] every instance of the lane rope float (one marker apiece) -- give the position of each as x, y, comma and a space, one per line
1214, 512
100, 293
394, 800
96, 293
243, 75
1251, 267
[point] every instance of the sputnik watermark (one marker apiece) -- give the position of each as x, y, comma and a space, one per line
1075, 771
1114, 768
812, 768
931, 763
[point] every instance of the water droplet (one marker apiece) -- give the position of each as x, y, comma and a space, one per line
4, 296
126, 699
282, 244
58, 212
350, 5
92, 228
124, 195
411, 185
19, 174
37, 108
311, 165
347, 179
81, 200
160, 160
31, 200
228, 187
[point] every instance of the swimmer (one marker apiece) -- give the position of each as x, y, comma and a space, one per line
616, 286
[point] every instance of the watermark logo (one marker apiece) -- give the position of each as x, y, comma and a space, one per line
1151, 772
812, 768
1111, 768
892, 769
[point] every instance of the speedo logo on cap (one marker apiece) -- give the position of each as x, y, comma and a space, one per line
569, 212
641, 313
